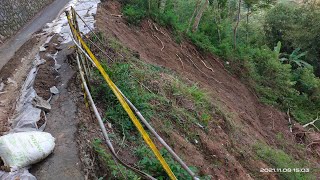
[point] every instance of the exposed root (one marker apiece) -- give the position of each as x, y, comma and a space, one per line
151, 27
166, 35
159, 40
180, 61
210, 77
206, 66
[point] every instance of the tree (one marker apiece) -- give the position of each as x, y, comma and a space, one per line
248, 4
162, 5
199, 16
236, 26
194, 12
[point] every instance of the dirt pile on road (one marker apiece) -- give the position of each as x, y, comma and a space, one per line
226, 150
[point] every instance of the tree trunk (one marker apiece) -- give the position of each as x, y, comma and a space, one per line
162, 5
236, 27
199, 16
247, 28
194, 12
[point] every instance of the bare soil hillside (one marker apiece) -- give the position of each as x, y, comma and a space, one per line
226, 150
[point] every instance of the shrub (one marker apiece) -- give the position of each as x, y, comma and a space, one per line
133, 14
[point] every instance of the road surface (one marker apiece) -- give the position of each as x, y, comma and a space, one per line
47, 15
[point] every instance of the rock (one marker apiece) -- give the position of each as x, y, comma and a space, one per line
58, 48
1, 86
42, 104
42, 49
38, 62
60, 39
54, 90
11, 81
57, 67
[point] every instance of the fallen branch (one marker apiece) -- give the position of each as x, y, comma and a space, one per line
180, 61
116, 15
312, 123
313, 143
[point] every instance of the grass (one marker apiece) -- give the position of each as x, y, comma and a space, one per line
157, 92
276, 158
149, 163
159, 95
107, 160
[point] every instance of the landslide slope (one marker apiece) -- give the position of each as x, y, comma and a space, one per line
246, 136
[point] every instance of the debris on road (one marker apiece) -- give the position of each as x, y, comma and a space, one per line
42, 104
42, 49
54, 90
13, 82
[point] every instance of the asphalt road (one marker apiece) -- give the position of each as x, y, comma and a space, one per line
47, 15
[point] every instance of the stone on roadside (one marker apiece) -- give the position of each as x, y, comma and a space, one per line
54, 90
42, 49
42, 104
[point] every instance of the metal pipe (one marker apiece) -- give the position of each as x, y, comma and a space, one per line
104, 131
145, 122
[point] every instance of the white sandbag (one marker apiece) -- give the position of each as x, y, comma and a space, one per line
21, 149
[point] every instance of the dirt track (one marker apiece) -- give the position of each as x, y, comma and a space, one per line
64, 163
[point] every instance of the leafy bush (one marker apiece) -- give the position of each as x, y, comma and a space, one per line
133, 14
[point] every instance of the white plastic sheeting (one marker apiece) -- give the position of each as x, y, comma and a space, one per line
21, 174
85, 8
26, 115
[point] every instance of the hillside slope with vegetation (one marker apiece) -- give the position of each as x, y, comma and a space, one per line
223, 82
274, 47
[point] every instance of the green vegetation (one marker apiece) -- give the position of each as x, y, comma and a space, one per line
160, 96
273, 46
113, 168
174, 102
279, 159
149, 163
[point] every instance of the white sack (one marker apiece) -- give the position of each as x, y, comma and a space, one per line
21, 149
